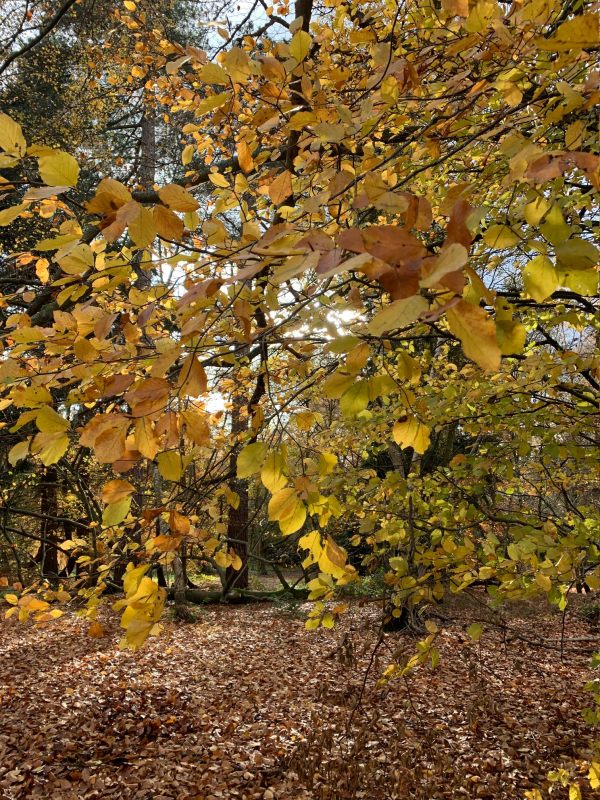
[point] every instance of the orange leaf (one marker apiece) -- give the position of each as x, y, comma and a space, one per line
96, 630
116, 490
245, 156
281, 188
192, 377
168, 225
179, 524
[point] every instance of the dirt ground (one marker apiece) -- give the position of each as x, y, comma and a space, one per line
245, 703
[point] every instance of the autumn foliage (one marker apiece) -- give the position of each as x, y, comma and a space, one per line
362, 309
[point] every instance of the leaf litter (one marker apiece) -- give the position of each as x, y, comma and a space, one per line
245, 703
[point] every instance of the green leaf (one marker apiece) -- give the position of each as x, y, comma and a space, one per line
115, 513
475, 630
355, 399
250, 459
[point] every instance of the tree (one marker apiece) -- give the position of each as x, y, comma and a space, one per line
392, 293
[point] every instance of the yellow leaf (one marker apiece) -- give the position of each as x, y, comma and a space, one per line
300, 45
535, 211
594, 775
412, 433
327, 463
574, 135
18, 451
332, 559
168, 225
49, 421
574, 792
510, 336
58, 168
177, 199
398, 314
10, 214
574, 34
540, 278
477, 333
110, 196
50, 447
188, 154
115, 513
148, 397
170, 465
75, 258
142, 228
244, 155
335, 386
11, 136
283, 504
543, 581
577, 254
500, 237
212, 103
294, 521
250, 459
106, 435
237, 64
42, 270
218, 180
197, 428
32, 603
213, 73
458, 8
236, 562
272, 473
482, 15
132, 578
145, 439
12, 599
179, 524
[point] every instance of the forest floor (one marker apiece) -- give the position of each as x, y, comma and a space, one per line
245, 703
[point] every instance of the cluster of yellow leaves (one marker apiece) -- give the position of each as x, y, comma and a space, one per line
29, 605
143, 606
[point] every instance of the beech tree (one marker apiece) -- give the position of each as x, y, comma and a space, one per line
372, 293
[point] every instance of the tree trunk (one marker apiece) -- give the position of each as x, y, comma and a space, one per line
237, 522
182, 611
47, 555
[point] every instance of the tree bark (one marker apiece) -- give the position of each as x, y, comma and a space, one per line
47, 555
237, 522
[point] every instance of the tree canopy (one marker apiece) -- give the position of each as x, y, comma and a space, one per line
361, 311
